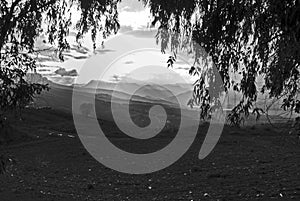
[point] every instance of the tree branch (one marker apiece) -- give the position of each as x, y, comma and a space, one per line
6, 23
11, 21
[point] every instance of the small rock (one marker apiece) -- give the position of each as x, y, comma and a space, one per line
14, 190
90, 186
29, 188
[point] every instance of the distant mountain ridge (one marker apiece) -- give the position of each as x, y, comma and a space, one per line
169, 94
166, 93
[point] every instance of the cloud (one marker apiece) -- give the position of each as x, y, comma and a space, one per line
183, 68
131, 6
143, 33
64, 72
79, 49
135, 19
116, 78
103, 51
76, 57
128, 62
125, 29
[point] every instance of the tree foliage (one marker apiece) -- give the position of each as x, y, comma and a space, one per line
15, 91
22, 21
253, 38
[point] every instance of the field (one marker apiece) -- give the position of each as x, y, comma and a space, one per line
48, 162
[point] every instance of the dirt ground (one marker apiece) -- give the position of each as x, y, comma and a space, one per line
48, 162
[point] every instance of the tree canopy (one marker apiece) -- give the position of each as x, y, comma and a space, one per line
21, 22
249, 37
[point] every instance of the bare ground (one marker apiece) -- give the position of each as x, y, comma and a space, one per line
251, 163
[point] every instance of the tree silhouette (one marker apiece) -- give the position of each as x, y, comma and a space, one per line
251, 38
21, 23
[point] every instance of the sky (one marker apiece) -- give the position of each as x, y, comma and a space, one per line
132, 48
134, 35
